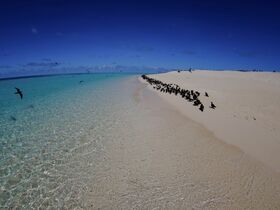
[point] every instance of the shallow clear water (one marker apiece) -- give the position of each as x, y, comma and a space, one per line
51, 140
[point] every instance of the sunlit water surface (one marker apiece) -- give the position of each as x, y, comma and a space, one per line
50, 142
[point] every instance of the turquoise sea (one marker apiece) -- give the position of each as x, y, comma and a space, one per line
52, 139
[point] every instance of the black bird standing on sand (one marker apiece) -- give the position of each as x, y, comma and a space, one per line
206, 94
196, 102
201, 108
19, 92
212, 105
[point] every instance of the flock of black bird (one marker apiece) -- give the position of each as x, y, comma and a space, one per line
189, 95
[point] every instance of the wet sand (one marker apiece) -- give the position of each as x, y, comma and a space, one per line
161, 159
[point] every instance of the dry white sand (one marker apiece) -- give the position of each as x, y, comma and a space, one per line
247, 113
156, 158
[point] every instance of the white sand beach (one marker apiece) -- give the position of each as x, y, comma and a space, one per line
161, 159
247, 114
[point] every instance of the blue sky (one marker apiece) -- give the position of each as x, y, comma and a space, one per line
67, 35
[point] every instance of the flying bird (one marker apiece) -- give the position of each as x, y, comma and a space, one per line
19, 92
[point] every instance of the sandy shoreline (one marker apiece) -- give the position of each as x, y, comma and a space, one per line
247, 114
118, 145
160, 159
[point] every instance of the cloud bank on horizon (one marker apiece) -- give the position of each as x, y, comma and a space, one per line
50, 68
142, 35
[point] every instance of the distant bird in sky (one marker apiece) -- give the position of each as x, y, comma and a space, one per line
19, 92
